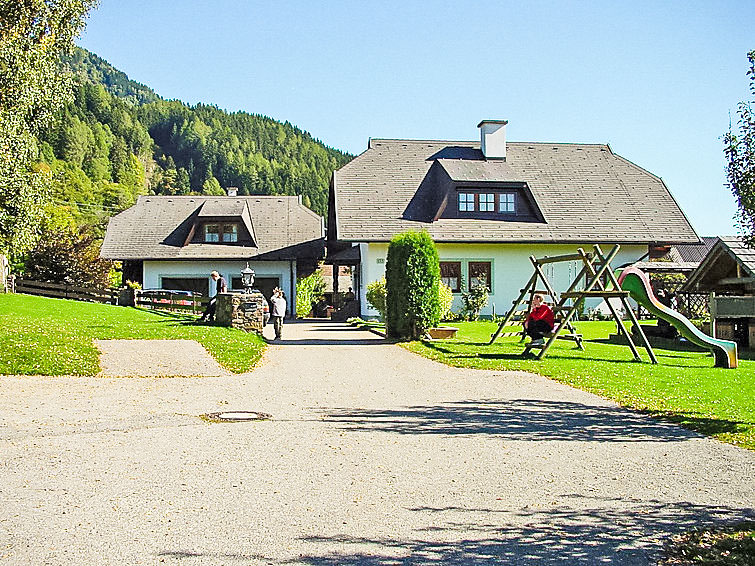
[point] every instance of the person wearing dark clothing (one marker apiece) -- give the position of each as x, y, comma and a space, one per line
539, 321
221, 286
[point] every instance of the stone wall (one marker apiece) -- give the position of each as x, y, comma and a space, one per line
244, 311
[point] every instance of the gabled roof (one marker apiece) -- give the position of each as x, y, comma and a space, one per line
680, 257
585, 193
695, 252
157, 227
228, 209
729, 261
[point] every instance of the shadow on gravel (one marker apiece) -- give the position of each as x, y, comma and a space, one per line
326, 342
202, 556
517, 419
597, 531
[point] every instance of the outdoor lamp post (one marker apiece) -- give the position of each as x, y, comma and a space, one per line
247, 278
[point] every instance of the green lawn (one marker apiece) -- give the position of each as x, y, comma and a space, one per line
41, 336
683, 387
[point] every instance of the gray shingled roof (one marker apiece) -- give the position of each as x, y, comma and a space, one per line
585, 192
695, 252
745, 255
731, 247
156, 227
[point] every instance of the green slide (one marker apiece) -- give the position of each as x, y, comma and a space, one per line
637, 283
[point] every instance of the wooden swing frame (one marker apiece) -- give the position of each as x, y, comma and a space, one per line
595, 266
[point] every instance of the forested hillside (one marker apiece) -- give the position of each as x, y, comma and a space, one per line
119, 139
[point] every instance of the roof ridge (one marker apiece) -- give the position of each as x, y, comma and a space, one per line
476, 142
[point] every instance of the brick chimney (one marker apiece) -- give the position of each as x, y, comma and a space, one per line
493, 138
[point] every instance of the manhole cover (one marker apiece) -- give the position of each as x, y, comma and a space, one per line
236, 416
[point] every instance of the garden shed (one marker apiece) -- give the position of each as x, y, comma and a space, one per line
728, 273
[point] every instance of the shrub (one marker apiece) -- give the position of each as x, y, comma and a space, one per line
309, 290
376, 296
474, 300
446, 299
412, 277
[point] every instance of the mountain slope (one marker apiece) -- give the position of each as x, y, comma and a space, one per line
119, 139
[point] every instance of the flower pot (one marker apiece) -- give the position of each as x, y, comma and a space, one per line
442, 332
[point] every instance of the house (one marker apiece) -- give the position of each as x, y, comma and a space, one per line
490, 204
728, 273
175, 242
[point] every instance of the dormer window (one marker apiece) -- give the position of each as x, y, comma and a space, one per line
507, 203
212, 233
466, 202
487, 202
492, 202
230, 232
226, 232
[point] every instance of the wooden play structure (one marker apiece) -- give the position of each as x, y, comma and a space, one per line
597, 281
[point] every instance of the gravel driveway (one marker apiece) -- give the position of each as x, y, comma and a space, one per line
373, 456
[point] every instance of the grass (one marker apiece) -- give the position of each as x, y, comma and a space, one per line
683, 387
42, 336
731, 546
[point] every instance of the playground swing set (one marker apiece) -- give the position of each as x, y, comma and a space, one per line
600, 281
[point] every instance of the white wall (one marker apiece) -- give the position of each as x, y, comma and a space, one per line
511, 268
154, 271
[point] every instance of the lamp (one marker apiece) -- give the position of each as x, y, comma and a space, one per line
247, 278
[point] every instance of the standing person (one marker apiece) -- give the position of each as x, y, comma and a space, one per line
539, 321
279, 311
221, 286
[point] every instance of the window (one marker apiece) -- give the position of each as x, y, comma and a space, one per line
450, 274
221, 233
230, 233
466, 202
490, 204
195, 284
479, 274
211, 232
487, 202
507, 203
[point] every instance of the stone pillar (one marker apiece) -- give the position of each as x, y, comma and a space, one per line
245, 311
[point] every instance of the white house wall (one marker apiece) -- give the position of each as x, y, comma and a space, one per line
154, 271
511, 268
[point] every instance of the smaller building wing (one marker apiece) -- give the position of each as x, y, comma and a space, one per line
158, 227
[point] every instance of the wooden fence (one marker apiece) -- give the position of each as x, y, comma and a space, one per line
180, 301
176, 301
63, 291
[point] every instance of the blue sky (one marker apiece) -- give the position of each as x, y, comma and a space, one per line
658, 81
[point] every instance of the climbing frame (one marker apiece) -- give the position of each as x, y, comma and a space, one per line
600, 282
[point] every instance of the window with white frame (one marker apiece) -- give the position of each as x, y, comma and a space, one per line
507, 203
466, 202
487, 202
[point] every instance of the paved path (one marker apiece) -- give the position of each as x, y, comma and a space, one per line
373, 456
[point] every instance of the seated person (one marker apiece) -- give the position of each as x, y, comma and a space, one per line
539, 321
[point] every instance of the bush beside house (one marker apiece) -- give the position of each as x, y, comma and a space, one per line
412, 279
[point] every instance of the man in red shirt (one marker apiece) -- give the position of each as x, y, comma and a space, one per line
540, 320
